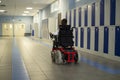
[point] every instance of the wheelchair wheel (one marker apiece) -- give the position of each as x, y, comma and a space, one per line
58, 57
77, 57
53, 56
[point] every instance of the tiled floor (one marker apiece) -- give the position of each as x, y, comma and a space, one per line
5, 59
36, 57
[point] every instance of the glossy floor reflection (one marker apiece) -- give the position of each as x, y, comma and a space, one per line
35, 54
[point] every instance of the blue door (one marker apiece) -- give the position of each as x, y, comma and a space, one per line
117, 41
80, 16
82, 38
93, 15
112, 11
70, 18
106, 39
101, 12
88, 38
86, 16
76, 37
74, 17
96, 38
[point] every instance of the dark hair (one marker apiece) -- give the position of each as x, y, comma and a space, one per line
64, 21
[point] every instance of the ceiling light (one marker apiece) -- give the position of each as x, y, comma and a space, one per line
0, 1
26, 12
29, 8
2, 10
77, 0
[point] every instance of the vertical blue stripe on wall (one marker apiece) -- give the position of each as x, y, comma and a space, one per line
70, 18
101, 12
74, 17
96, 38
32, 32
117, 41
76, 37
80, 16
106, 38
88, 38
112, 11
86, 16
82, 38
93, 15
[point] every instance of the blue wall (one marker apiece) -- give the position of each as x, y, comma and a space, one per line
102, 18
28, 20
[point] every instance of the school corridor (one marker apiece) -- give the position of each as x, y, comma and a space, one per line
26, 45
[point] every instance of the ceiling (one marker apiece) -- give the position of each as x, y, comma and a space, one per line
17, 7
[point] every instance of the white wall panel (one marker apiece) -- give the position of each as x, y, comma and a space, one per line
82, 17
101, 36
107, 12
97, 13
36, 30
111, 48
117, 12
74, 36
92, 38
63, 7
68, 17
78, 36
77, 17
72, 17
85, 38
89, 15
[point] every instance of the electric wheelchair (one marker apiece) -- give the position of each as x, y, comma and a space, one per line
63, 50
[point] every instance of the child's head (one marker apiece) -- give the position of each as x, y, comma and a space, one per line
64, 21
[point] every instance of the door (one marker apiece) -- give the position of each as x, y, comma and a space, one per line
36, 29
7, 29
44, 30
19, 29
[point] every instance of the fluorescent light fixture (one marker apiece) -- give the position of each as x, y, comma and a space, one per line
0, 1
29, 8
2, 10
10, 26
26, 12
77, 0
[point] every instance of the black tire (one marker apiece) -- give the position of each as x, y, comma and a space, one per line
53, 56
58, 57
77, 57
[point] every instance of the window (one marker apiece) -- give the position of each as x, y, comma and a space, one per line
54, 6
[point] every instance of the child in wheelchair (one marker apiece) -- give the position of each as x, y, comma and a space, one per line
63, 50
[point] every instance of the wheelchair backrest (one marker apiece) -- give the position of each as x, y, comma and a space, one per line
65, 36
